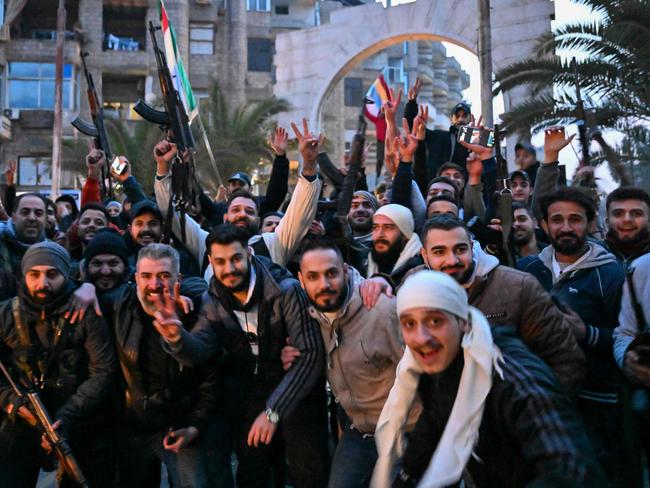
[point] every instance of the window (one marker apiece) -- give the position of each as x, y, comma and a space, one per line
258, 5
282, 10
31, 86
260, 57
202, 39
34, 171
353, 92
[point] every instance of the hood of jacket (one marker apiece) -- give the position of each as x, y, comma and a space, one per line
596, 256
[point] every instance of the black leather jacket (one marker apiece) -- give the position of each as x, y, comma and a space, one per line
190, 393
79, 380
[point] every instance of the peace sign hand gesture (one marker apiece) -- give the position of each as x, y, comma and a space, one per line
166, 319
308, 146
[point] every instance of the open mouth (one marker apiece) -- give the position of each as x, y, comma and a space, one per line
429, 354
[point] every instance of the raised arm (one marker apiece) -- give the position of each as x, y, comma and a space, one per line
278, 186
91, 192
293, 226
195, 236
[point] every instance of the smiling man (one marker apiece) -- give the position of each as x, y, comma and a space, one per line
506, 297
106, 261
92, 218
587, 278
628, 222
72, 368
252, 309
492, 410
26, 227
164, 407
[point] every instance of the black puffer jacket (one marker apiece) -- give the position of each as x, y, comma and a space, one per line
530, 433
282, 313
190, 393
82, 377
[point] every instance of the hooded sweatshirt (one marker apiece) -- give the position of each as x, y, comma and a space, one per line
591, 287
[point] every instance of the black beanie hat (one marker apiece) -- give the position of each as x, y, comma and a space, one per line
107, 241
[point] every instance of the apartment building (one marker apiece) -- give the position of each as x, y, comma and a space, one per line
226, 41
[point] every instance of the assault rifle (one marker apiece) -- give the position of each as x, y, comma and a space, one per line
59, 444
581, 117
176, 120
96, 128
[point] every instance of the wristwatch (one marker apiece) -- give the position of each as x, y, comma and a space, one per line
272, 416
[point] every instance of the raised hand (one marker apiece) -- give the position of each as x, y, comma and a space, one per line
94, 161
474, 166
126, 172
414, 89
554, 141
163, 153
390, 107
166, 319
308, 146
391, 157
424, 118
278, 141
10, 173
481, 151
409, 143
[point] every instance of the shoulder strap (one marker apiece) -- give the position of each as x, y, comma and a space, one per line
23, 333
638, 311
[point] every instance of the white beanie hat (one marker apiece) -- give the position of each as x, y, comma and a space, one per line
399, 214
432, 289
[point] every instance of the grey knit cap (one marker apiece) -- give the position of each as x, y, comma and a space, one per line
47, 253
368, 196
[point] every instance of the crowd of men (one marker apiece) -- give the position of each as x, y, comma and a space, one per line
260, 341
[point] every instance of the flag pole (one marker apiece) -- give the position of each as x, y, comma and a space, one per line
206, 141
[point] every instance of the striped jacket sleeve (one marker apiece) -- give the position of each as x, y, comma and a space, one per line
305, 335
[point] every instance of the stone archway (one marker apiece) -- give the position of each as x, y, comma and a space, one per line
310, 62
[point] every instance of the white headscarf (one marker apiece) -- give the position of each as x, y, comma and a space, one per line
439, 291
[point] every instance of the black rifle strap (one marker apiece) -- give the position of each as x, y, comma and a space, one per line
25, 340
638, 311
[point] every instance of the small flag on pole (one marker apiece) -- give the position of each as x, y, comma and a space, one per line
379, 93
175, 63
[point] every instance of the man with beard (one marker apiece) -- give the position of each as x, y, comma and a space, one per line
507, 297
72, 367
52, 231
242, 209
493, 412
106, 261
26, 227
164, 408
523, 231
146, 228
92, 218
361, 360
628, 214
251, 311
362, 209
587, 278
395, 245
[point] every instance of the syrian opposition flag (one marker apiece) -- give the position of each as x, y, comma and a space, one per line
379, 93
175, 63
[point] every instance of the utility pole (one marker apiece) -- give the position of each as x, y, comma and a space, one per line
57, 132
485, 60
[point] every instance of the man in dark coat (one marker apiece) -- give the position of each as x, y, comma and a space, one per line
71, 366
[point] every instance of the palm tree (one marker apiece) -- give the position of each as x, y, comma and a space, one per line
237, 135
613, 68
237, 138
